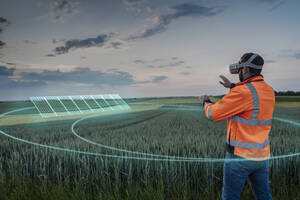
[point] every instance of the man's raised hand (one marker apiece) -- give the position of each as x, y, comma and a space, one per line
226, 83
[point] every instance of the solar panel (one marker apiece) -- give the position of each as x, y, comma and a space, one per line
52, 106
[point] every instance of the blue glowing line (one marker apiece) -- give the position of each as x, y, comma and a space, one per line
116, 102
45, 109
118, 149
75, 104
87, 104
63, 105
156, 155
37, 101
136, 158
118, 96
173, 107
31, 99
97, 102
80, 100
83, 152
106, 102
50, 106
287, 121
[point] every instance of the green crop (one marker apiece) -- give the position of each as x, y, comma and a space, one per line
33, 172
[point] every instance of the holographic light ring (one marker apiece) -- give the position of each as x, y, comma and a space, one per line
134, 157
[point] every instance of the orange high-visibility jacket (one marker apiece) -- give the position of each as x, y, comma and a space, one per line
248, 108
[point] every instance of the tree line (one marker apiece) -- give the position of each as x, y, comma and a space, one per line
287, 93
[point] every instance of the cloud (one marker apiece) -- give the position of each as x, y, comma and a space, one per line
78, 76
185, 73
82, 75
270, 61
51, 55
291, 53
63, 8
10, 63
297, 55
116, 45
158, 79
268, 1
139, 61
179, 11
73, 44
2, 44
274, 3
4, 71
149, 9
6, 82
277, 5
3, 20
134, 2
29, 42
57, 41
171, 64
157, 60
135, 5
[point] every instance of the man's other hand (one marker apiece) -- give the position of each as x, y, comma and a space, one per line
226, 83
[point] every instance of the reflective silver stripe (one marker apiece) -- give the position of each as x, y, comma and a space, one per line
255, 101
209, 113
206, 104
249, 145
251, 122
252, 58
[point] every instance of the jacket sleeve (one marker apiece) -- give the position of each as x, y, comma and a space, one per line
235, 102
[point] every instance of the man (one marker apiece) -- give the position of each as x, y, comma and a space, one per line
248, 108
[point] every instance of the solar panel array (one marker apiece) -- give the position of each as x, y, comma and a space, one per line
50, 106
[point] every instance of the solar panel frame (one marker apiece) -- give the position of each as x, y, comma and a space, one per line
54, 106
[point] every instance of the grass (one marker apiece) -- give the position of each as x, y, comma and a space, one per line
29, 172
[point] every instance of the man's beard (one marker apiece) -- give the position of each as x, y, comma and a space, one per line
241, 77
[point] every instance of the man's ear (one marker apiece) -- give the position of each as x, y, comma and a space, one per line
246, 69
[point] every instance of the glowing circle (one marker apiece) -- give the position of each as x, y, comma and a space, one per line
166, 159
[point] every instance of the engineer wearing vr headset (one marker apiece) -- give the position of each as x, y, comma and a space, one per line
248, 108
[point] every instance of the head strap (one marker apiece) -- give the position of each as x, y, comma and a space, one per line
249, 63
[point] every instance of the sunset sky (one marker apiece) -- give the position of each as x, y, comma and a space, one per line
143, 48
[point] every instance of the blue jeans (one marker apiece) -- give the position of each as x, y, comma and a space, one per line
235, 174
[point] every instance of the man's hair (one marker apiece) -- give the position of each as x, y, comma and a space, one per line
257, 61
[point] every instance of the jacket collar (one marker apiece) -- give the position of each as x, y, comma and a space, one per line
251, 79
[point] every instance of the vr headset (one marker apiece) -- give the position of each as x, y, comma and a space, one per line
234, 68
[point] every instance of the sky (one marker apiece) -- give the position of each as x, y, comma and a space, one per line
143, 48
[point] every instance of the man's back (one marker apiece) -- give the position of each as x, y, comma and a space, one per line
248, 108
257, 108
